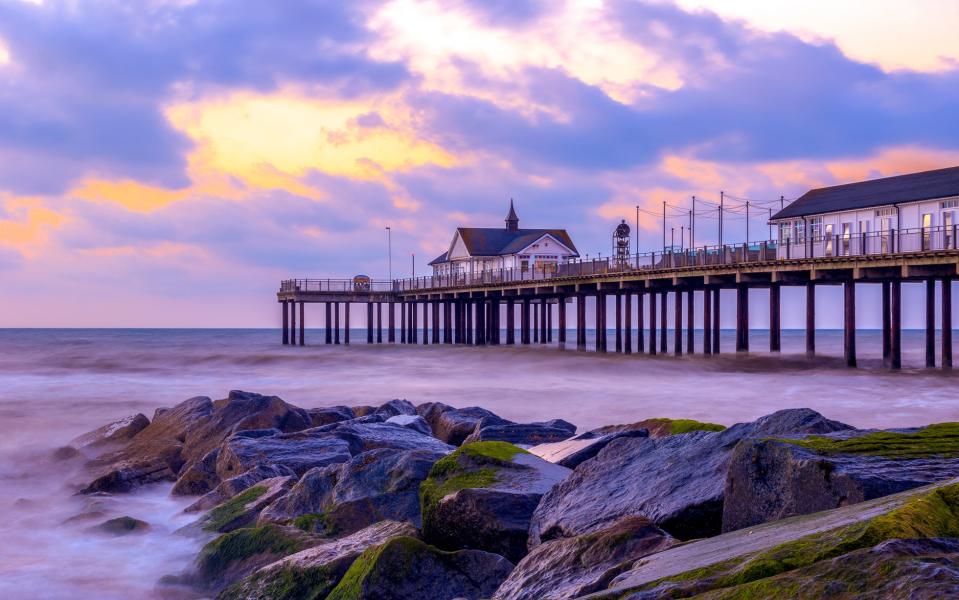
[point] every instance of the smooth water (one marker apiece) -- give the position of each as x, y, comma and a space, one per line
56, 384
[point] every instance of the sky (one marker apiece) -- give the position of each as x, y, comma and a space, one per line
167, 162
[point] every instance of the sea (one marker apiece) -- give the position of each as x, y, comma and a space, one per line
58, 383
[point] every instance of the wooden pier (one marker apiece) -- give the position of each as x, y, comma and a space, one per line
469, 309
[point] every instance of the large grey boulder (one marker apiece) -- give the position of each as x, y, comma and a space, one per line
363, 437
233, 486
381, 484
524, 434
330, 414
314, 572
771, 479
405, 568
298, 452
483, 495
183, 435
118, 432
394, 408
243, 509
572, 567
676, 481
453, 425
576, 450
414, 422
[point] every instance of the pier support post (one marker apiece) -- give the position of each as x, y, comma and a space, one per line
600, 322
447, 322
640, 325
946, 322
390, 322
707, 322
775, 328
628, 324
379, 322
328, 309
930, 323
690, 321
293, 323
581, 322
369, 323
810, 319
414, 326
286, 322
535, 309
543, 306
886, 325
663, 322
549, 322
302, 323
524, 321
742, 318
619, 322
494, 320
480, 335
895, 333
346, 322
510, 321
468, 305
336, 323
849, 322
561, 321
436, 321
717, 324
403, 327
426, 322
678, 323
652, 323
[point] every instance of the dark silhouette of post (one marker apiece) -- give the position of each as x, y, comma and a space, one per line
716, 321
561, 321
652, 323
886, 324
810, 319
293, 324
414, 326
930, 323
549, 322
640, 325
678, 323
742, 318
581, 322
663, 322
468, 305
628, 324
525, 321
619, 322
707, 321
302, 323
690, 321
510, 321
346, 323
403, 312
379, 322
535, 310
390, 322
543, 306
775, 328
946, 323
286, 322
336, 323
849, 322
600, 322
369, 323
895, 335
329, 322
480, 335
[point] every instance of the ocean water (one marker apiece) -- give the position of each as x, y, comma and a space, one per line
56, 384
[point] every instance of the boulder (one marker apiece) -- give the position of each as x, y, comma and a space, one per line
314, 572
798, 557
661, 427
453, 425
405, 568
117, 432
298, 452
571, 567
233, 486
234, 555
330, 414
414, 422
243, 509
483, 495
395, 407
526, 434
199, 478
378, 485
121, 526
576, 450
771, 479
676, 481
180, 436
362, 411
363, 437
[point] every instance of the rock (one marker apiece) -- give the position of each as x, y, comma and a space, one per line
453, 425
233, 486
122, 526
676, 481
576, 450
180, 436
363, 437
482, 496
298, 452
200, 477
414, 422
236, 554
378, 485
330, 414
405, 568
661, 427
117, 432
527, 434
395, 407
772, 479
314, 572
571, 567
791, 557
362, 411
243, 509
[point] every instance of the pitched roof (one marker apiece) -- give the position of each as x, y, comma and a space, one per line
927, 185
480, 241
439, 259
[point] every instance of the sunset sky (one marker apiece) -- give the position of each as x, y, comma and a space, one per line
166, 163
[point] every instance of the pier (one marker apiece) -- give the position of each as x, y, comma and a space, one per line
479, 308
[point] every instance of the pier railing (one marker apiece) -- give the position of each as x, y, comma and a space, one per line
902, 241
335, 285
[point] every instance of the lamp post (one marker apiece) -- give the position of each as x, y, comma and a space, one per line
637, 235
389, 245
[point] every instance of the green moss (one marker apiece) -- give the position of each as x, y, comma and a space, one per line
941, 439
503, 451
935, 514
244, 543
351, 586
678, 426
286, 583
316, 523
393, 561
226, 513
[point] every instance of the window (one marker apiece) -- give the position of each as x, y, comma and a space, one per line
846, 237
828, 240
948, 224
926, 231
885, 212
800, 232
815, 228
949, 204
785, 230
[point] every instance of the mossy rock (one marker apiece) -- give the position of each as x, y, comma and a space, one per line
122, 526
934, 514
405, 567
938, 440
238, 552
227, 513
285, 583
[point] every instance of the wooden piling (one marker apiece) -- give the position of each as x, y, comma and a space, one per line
690, 322
886, 324
426, 322
810, 319
336, 323
480, 334
930, 323
302, 323
379, 322
286, 322
403, 312
652, 323
775, 328
581, 322
549, 323
678, 323
468, 307
525, 321
707, 321
895, 317
946, 308
346, 322
640, 326
600, 322
447, 322
717, 323
390, 323
542, 320
510, 321
414, 326
561, 321
369, 323
628, 324
619, 322
663, 322
849, 322
293, 324
742, 318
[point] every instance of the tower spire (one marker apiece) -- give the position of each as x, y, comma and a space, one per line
512, 221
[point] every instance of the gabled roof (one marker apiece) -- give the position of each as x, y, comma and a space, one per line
439, 259
927, 185
480, 241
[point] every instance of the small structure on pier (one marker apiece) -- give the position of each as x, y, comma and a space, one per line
475, 250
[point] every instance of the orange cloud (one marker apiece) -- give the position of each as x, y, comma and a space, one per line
131, 195
30, 227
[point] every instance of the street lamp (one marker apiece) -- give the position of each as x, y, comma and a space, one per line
413, 256
389, 243
637, 234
